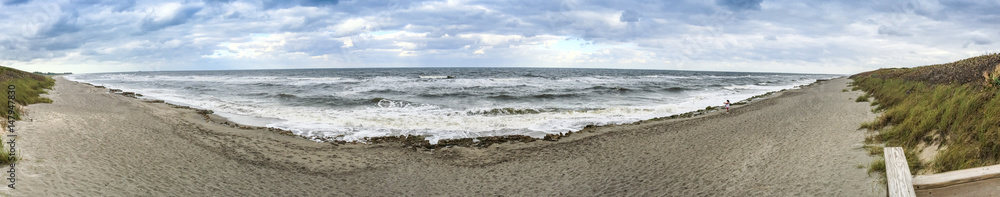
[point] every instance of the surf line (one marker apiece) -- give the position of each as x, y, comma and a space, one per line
11, 136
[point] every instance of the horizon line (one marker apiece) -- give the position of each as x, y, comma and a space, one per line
598, 68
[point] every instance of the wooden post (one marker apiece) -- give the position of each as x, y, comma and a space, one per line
897, 173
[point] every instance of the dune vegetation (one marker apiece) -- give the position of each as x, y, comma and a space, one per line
947, 115
29, 87
28, 90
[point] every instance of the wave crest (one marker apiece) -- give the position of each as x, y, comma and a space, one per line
502, 111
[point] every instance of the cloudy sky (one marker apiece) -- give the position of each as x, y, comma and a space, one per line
801, 36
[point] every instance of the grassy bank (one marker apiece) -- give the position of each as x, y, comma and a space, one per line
29, 87
947, 113
28, 90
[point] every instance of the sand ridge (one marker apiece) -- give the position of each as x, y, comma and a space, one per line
798, 142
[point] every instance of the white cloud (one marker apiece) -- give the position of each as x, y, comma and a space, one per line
348, 43
351, 27
829, 37
168, 14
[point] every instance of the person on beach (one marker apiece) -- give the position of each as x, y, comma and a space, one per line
727, 106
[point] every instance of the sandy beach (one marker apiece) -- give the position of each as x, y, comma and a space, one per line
802, 142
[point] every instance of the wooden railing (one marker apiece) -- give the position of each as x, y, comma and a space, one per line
897, 173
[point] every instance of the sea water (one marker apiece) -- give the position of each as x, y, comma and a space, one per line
444, 103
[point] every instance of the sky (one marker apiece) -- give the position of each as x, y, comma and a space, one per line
800, 36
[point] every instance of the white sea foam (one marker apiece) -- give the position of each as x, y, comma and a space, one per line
441, 109
744, 87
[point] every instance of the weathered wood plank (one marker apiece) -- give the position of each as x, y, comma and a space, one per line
957, 177
897, 173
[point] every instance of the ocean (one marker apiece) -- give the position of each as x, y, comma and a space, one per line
444, 103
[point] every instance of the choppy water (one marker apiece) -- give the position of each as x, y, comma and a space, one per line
350, 104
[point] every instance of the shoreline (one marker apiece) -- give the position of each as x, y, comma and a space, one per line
419, 140
92, 143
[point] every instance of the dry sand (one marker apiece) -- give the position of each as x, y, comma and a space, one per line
801, 142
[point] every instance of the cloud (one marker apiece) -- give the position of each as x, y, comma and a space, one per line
14, 2
55, 20
630, 16
892, 31
281, 4
57, 44
740, 35
123, 5
166, 15
218, 1
352, 26
977, 38
740, 5
981, 40
115, 5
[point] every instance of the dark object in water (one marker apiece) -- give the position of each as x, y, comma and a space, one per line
437, 77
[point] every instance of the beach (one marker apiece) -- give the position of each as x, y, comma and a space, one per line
800, 142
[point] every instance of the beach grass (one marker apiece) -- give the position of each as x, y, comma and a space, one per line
873, 149
29, 88
878, 167
960, 117
862, 98
5, 156
944, 105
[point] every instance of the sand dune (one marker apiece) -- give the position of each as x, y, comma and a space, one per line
799, 142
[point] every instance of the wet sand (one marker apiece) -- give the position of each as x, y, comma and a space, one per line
800, 142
